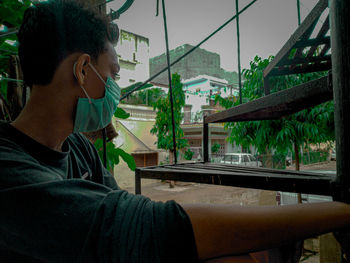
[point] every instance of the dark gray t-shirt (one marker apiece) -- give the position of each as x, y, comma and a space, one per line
66, 207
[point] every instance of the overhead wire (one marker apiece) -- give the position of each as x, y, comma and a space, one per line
190, 51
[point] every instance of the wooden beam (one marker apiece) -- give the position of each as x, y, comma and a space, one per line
266, 86
240, 176
327, 65
340, 38
278, 104
314, 42
305, 36
308, 21
323, 31
306, 60
325, 49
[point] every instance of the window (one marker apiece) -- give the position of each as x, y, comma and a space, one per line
252, 158
231, 158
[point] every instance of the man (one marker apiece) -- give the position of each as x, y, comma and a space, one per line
59, 204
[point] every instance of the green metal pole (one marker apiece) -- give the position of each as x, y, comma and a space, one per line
298, 7
238, 55
169, 77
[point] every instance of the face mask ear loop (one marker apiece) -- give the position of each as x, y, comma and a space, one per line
86, 94
93, 68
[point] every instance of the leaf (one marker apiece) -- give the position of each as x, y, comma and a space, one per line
129, 159
121, 114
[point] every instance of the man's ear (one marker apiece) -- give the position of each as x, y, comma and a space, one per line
80, 68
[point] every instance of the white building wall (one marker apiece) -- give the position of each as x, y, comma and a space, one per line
133, 54
198, 90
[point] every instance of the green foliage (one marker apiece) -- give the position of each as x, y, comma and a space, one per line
11, 15
189, 155
146, 97
121, 114
113, 154
215, 148
313, 125
163, 126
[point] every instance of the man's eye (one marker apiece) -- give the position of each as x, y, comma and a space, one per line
116, 76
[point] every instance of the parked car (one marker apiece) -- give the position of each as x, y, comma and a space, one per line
246, 159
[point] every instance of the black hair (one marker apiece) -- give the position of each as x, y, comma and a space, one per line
52, 30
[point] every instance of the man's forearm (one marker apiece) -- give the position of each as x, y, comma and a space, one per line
228, 230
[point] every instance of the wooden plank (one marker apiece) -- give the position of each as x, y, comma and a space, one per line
327, 65
266, 86
323, 31
307, 60
279, 104
314, 14
340, 28
304, 37
312, 42
325, 49
301, 183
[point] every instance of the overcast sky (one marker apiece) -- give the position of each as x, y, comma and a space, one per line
264, 27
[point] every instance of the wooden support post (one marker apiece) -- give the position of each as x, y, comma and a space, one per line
137, 182
205, 141
340, 39
266, 86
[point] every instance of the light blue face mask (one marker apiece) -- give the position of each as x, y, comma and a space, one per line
95, 114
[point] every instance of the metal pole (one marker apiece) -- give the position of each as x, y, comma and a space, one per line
205, 140
340, 39
298, 7
169, 77
104, 136
188, 52
238, 55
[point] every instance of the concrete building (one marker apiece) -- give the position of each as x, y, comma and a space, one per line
133, 55
199, 62
203, 88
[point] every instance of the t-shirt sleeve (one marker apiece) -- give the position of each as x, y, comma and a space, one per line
79, 221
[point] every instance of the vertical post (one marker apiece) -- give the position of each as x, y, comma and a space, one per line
205, 140
266, 86
137, 182
340, 39
169, 77
238, 54
104, 136
298, 9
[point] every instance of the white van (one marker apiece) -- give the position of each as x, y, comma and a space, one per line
246, 159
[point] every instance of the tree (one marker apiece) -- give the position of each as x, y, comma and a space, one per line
313, 125
163, 125
11, 15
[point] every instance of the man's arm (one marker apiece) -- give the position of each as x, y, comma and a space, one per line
227, 230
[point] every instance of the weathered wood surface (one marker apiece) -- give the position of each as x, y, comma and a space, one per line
304, 68
242, 176
279, 104
340, 38
297, 35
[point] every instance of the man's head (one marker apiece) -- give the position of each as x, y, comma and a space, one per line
53, 30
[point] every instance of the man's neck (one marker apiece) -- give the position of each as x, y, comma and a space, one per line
45, 123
